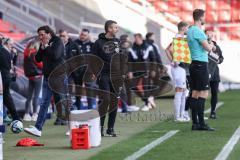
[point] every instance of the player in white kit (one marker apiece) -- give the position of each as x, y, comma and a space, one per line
178, 70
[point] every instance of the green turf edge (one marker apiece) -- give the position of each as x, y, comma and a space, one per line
185, 145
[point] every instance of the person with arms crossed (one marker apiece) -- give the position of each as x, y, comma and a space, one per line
199, 48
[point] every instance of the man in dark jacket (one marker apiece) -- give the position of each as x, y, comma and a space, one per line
84, 42
51, 54
70, 50
150, 39
215, 77
6, 69
141, 52
85, 46
106, 47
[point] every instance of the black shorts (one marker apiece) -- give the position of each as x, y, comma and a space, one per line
199, 76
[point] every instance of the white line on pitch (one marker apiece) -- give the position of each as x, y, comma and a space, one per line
219, 104
223, 155
151, 145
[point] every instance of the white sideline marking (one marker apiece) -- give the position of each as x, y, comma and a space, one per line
219, 104
158, 131
223, 155
151, 145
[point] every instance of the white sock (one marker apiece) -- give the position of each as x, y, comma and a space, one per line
183, 102
177, 104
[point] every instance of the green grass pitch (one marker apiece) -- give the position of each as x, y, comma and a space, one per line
134, 132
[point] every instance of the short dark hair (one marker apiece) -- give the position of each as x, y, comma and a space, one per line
123, 37
47, 29
138, 35
61, 31
149, 34
197, 14
181, 25
108, 23
85, 30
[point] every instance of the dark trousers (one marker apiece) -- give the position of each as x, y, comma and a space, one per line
130, 95
214, 95
123, 96
106, 85
78, 80
8, 101
187, 104
34, 88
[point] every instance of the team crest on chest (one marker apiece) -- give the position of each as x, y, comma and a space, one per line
88, 48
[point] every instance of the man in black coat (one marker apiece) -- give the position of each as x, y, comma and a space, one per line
150, 39
51, 53
84, 43
85, 47
106, 48
70, 50
215, 77
141, 52
6, 69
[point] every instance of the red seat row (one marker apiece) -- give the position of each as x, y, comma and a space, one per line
10, 30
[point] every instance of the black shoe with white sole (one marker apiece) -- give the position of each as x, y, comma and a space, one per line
195, 127
213, 116
59, 122
111, 133
205, 127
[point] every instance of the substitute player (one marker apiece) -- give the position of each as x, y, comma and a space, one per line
179, 76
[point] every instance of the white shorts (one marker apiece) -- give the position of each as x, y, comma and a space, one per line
179, 77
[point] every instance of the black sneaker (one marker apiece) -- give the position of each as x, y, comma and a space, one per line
60, 122
195, 127
213, 116
205, 127
102, 131
111, 133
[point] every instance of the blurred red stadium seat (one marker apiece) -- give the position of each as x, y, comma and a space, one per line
217, 11
9, 30
5, 26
